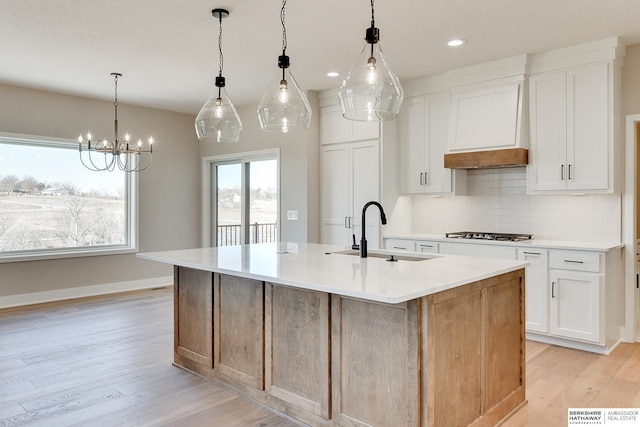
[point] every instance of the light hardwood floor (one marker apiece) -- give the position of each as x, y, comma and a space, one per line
106, 361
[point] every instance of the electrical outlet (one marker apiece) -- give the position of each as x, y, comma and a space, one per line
292, 215
292, 247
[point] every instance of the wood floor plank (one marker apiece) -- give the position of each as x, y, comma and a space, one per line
106, 361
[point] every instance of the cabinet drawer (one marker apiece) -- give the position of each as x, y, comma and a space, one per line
574, 260
480, 250
427, 247
400, 245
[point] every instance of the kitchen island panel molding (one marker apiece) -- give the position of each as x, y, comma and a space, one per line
193, 315
239, 329
297, 347
374, 362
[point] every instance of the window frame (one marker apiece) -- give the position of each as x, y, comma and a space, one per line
208, 203
130, 200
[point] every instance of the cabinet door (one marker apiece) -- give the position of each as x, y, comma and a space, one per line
547, 151
335, 128
335, 194
413, 144
536, 289
588, 130
365, 187
437, 178
575, 305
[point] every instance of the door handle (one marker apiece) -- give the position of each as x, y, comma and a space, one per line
569, 174
345, 222
426, 178
421, 180
553, 289
561, 172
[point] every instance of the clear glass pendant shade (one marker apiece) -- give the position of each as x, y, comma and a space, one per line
371, 91
284, 107
218, 120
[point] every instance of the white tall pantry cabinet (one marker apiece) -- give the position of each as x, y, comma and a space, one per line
350, 177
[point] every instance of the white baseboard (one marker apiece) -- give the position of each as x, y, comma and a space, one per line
84, 291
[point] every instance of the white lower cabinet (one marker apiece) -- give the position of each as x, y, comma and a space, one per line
575, 305
536, 289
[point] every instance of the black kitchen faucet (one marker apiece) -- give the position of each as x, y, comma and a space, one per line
383, 219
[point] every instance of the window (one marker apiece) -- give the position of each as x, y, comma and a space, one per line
243, 194
51, 206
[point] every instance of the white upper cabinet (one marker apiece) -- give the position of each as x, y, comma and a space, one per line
424, 122
571, 143
336, 128
485, 118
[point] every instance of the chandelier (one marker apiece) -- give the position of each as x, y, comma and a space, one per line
105, 155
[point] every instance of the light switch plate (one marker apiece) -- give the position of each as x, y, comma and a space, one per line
292, 215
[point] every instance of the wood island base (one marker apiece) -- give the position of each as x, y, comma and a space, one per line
452, 358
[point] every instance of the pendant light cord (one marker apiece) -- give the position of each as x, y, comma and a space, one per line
284, 29
373, 21
221, 57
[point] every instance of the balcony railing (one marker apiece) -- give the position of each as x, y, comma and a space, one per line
229, 235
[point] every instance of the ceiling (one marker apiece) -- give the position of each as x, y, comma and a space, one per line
167, 49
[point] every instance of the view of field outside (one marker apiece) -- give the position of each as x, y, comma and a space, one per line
48, 200
263, 202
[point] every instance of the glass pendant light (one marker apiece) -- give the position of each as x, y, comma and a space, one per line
284, 107
371, 91
218, 120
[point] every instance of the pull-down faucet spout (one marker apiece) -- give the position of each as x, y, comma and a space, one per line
383, 219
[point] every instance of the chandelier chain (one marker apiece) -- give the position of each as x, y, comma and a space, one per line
221, 57
284, 29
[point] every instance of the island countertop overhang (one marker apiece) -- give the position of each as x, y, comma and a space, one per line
318, 267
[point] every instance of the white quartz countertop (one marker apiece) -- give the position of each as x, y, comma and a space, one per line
318, 267
533, 243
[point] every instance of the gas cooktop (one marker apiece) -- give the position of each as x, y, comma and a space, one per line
503, 237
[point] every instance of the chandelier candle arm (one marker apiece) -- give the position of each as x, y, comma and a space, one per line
116, 153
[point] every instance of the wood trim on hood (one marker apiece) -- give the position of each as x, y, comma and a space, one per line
487, 159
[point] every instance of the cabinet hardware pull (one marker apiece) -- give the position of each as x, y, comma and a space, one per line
345, 222
574, 262
421, 180
426, 178
553, 289
350, 222
531, 253
399, 247
569, 174
561, 172
426, 246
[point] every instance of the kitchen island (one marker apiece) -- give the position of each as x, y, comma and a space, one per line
329, 338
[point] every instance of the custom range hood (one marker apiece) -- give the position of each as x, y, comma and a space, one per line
508, 157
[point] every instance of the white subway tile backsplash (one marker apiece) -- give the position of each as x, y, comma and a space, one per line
497, 201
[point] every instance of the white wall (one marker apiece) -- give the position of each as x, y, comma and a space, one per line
299, 169
168, 188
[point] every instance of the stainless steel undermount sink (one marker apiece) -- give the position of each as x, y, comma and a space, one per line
387, 256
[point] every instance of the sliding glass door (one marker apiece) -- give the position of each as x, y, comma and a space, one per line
244, 201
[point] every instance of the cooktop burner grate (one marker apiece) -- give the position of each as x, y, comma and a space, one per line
503, 237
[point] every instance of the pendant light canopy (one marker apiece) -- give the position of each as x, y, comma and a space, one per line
371, 91
284, 107
218, 120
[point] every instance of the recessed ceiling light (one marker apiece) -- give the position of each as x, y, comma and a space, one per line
456, 42
333, 74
